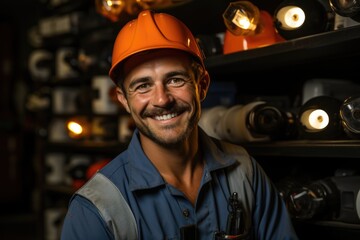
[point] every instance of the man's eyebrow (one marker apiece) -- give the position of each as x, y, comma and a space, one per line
177, 73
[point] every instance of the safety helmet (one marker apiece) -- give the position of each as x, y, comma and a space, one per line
152, 31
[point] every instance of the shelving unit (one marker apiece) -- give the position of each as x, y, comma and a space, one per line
285, 67
316, 53
55, 182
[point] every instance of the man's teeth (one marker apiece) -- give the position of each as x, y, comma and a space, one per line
166, 117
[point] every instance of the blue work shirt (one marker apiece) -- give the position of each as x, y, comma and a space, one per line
161, 210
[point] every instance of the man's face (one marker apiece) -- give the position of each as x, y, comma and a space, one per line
163, 96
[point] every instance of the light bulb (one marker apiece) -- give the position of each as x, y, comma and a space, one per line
242, 18
78, 128
291, 17
111, 9
318, 119
75, 127
299, 18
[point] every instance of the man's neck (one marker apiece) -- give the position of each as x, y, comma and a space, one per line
181, 167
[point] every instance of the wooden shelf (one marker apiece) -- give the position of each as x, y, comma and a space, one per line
317, 53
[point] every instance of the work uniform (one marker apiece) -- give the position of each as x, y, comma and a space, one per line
160, 210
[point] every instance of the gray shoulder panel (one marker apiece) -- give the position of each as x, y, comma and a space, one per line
111, 205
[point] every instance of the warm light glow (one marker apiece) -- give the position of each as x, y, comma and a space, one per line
111, 9
315, 119
78, 127
242, 20
319, 119
291, 17
109, 4
75, 127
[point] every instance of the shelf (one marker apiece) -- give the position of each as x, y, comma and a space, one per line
316, 52
306, 148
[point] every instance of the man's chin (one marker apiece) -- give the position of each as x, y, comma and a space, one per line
169, 138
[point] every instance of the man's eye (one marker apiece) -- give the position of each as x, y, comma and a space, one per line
177, 82
142, 87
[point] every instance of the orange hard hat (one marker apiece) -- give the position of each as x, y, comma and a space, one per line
152, 31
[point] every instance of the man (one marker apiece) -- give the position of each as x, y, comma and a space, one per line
173, 181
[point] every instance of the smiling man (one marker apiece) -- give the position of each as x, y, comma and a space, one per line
173, 181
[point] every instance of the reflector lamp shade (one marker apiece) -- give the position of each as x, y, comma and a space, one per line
350, 116
346, 8
299, 18
319, 118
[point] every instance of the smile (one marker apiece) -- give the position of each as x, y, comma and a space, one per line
166, 116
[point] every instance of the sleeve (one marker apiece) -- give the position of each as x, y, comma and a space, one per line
83, 222
270, 216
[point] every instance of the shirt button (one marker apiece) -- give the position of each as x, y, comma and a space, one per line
186, 212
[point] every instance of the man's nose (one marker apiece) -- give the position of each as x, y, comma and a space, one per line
161, 96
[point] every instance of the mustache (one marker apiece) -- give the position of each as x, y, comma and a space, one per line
175, 108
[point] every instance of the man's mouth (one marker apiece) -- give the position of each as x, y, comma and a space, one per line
166, 116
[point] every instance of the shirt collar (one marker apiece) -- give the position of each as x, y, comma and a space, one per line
144, 175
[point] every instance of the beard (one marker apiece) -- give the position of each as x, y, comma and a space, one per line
170, 136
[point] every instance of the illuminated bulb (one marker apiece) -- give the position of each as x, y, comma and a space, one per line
114, 4
315, 119
111, 9
291, 17
107, 5
75, 127
319, 118
242, 18
299, 18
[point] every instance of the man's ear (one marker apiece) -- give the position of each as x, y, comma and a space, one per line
122, 98
204, 84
